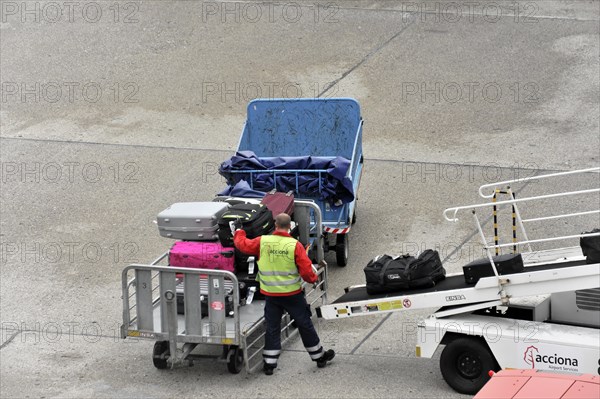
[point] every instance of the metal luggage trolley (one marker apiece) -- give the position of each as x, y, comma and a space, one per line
150, 302
316, 127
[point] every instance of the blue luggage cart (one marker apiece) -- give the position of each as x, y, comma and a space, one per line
313, 127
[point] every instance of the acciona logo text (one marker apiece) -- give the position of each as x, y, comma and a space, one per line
535, 359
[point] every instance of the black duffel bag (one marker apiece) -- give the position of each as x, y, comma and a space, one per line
387, 274
590, 246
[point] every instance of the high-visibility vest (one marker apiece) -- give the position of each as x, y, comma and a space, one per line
277, 270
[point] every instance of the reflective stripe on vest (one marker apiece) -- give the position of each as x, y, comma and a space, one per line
278, 273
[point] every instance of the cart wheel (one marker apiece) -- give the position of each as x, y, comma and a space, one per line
160, 354
235, 360
465, 363
341, 249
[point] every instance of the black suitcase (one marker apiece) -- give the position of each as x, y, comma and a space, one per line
246, 271
180, 294
204, 305
257, 220
505, 264
241, 262
248, 283
590, 246
243, 265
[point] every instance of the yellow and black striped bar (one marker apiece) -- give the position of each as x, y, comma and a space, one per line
514, 220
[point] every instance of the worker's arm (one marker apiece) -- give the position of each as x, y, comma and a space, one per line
304, 264
248, 246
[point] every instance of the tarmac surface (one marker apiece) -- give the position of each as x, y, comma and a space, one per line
111, 111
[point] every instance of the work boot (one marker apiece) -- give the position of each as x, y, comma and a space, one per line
327, 357
268, 368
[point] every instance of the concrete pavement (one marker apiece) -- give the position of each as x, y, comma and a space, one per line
108, 115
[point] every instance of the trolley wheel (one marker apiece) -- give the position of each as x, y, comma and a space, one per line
235, 359
465, 363
160, 354
341, 249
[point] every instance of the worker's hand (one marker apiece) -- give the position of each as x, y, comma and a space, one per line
235, 225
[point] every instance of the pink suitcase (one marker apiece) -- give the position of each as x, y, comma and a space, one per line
202, 255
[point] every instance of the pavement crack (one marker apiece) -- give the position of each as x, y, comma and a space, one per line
161, 147
370, 333
10, 339
366, 57
400, 161
408, 9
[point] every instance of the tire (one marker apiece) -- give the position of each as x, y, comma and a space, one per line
341, 250
235, 360
160, 354
465, 363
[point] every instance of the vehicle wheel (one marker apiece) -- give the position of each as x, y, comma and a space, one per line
160, 354
341, 249
235, 360
465, 363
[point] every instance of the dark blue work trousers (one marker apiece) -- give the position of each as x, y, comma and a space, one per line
299, 310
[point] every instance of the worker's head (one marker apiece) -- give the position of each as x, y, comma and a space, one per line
283, 222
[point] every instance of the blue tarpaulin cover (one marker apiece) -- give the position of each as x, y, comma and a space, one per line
241, 189
335, 186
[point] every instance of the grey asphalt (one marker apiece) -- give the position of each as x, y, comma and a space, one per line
112, 111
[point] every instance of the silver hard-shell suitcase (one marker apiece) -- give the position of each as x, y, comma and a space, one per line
191, 221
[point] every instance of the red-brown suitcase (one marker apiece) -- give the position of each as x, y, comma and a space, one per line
279, 202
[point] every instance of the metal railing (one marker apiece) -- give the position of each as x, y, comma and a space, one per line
157, 317
493, 186
450, 214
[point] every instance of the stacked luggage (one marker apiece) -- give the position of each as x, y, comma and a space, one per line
392, 274
205, 239
196, 225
